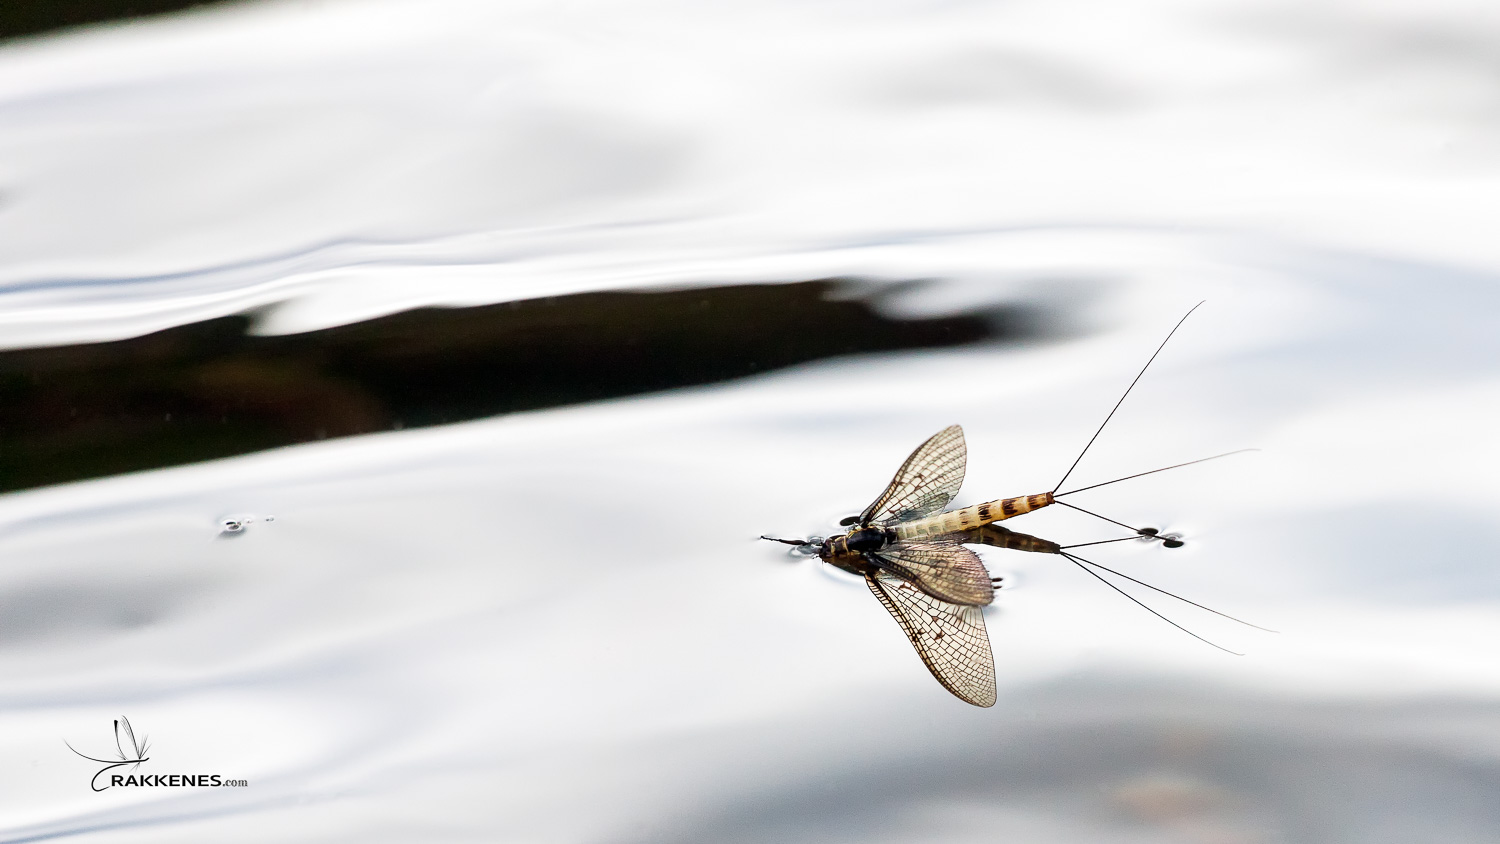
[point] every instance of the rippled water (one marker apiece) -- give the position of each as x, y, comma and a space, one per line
555, 623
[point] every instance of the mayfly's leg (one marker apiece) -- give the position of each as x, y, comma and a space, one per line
789, 541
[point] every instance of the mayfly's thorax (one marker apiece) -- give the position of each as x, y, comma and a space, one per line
856, 542
969, 518
861, 540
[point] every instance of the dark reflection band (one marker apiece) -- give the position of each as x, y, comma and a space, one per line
209, 390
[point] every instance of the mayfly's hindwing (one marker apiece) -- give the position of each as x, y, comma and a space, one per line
942, 568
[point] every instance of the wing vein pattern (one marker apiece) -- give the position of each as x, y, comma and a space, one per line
925, 483
942, 568
950, 638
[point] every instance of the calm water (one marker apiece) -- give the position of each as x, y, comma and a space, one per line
555, 624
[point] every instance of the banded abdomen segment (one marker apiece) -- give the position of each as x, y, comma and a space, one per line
969, 518
1001, 537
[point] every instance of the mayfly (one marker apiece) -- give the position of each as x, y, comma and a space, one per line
910, 553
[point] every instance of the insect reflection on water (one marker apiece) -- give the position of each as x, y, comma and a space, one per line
911, 555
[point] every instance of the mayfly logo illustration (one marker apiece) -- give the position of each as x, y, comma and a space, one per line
130, 753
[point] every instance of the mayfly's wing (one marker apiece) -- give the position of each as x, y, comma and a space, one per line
950, 638
942, 568
925, 483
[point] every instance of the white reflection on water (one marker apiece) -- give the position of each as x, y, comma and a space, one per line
557, 626
468, 629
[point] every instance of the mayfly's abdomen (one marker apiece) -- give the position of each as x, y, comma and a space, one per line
1000, 537
969, 518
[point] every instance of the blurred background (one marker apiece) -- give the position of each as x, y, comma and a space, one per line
504, 329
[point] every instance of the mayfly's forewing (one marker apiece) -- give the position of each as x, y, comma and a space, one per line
942, 568
950, 638
925, 483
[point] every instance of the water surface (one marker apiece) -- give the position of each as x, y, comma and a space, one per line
523, 323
